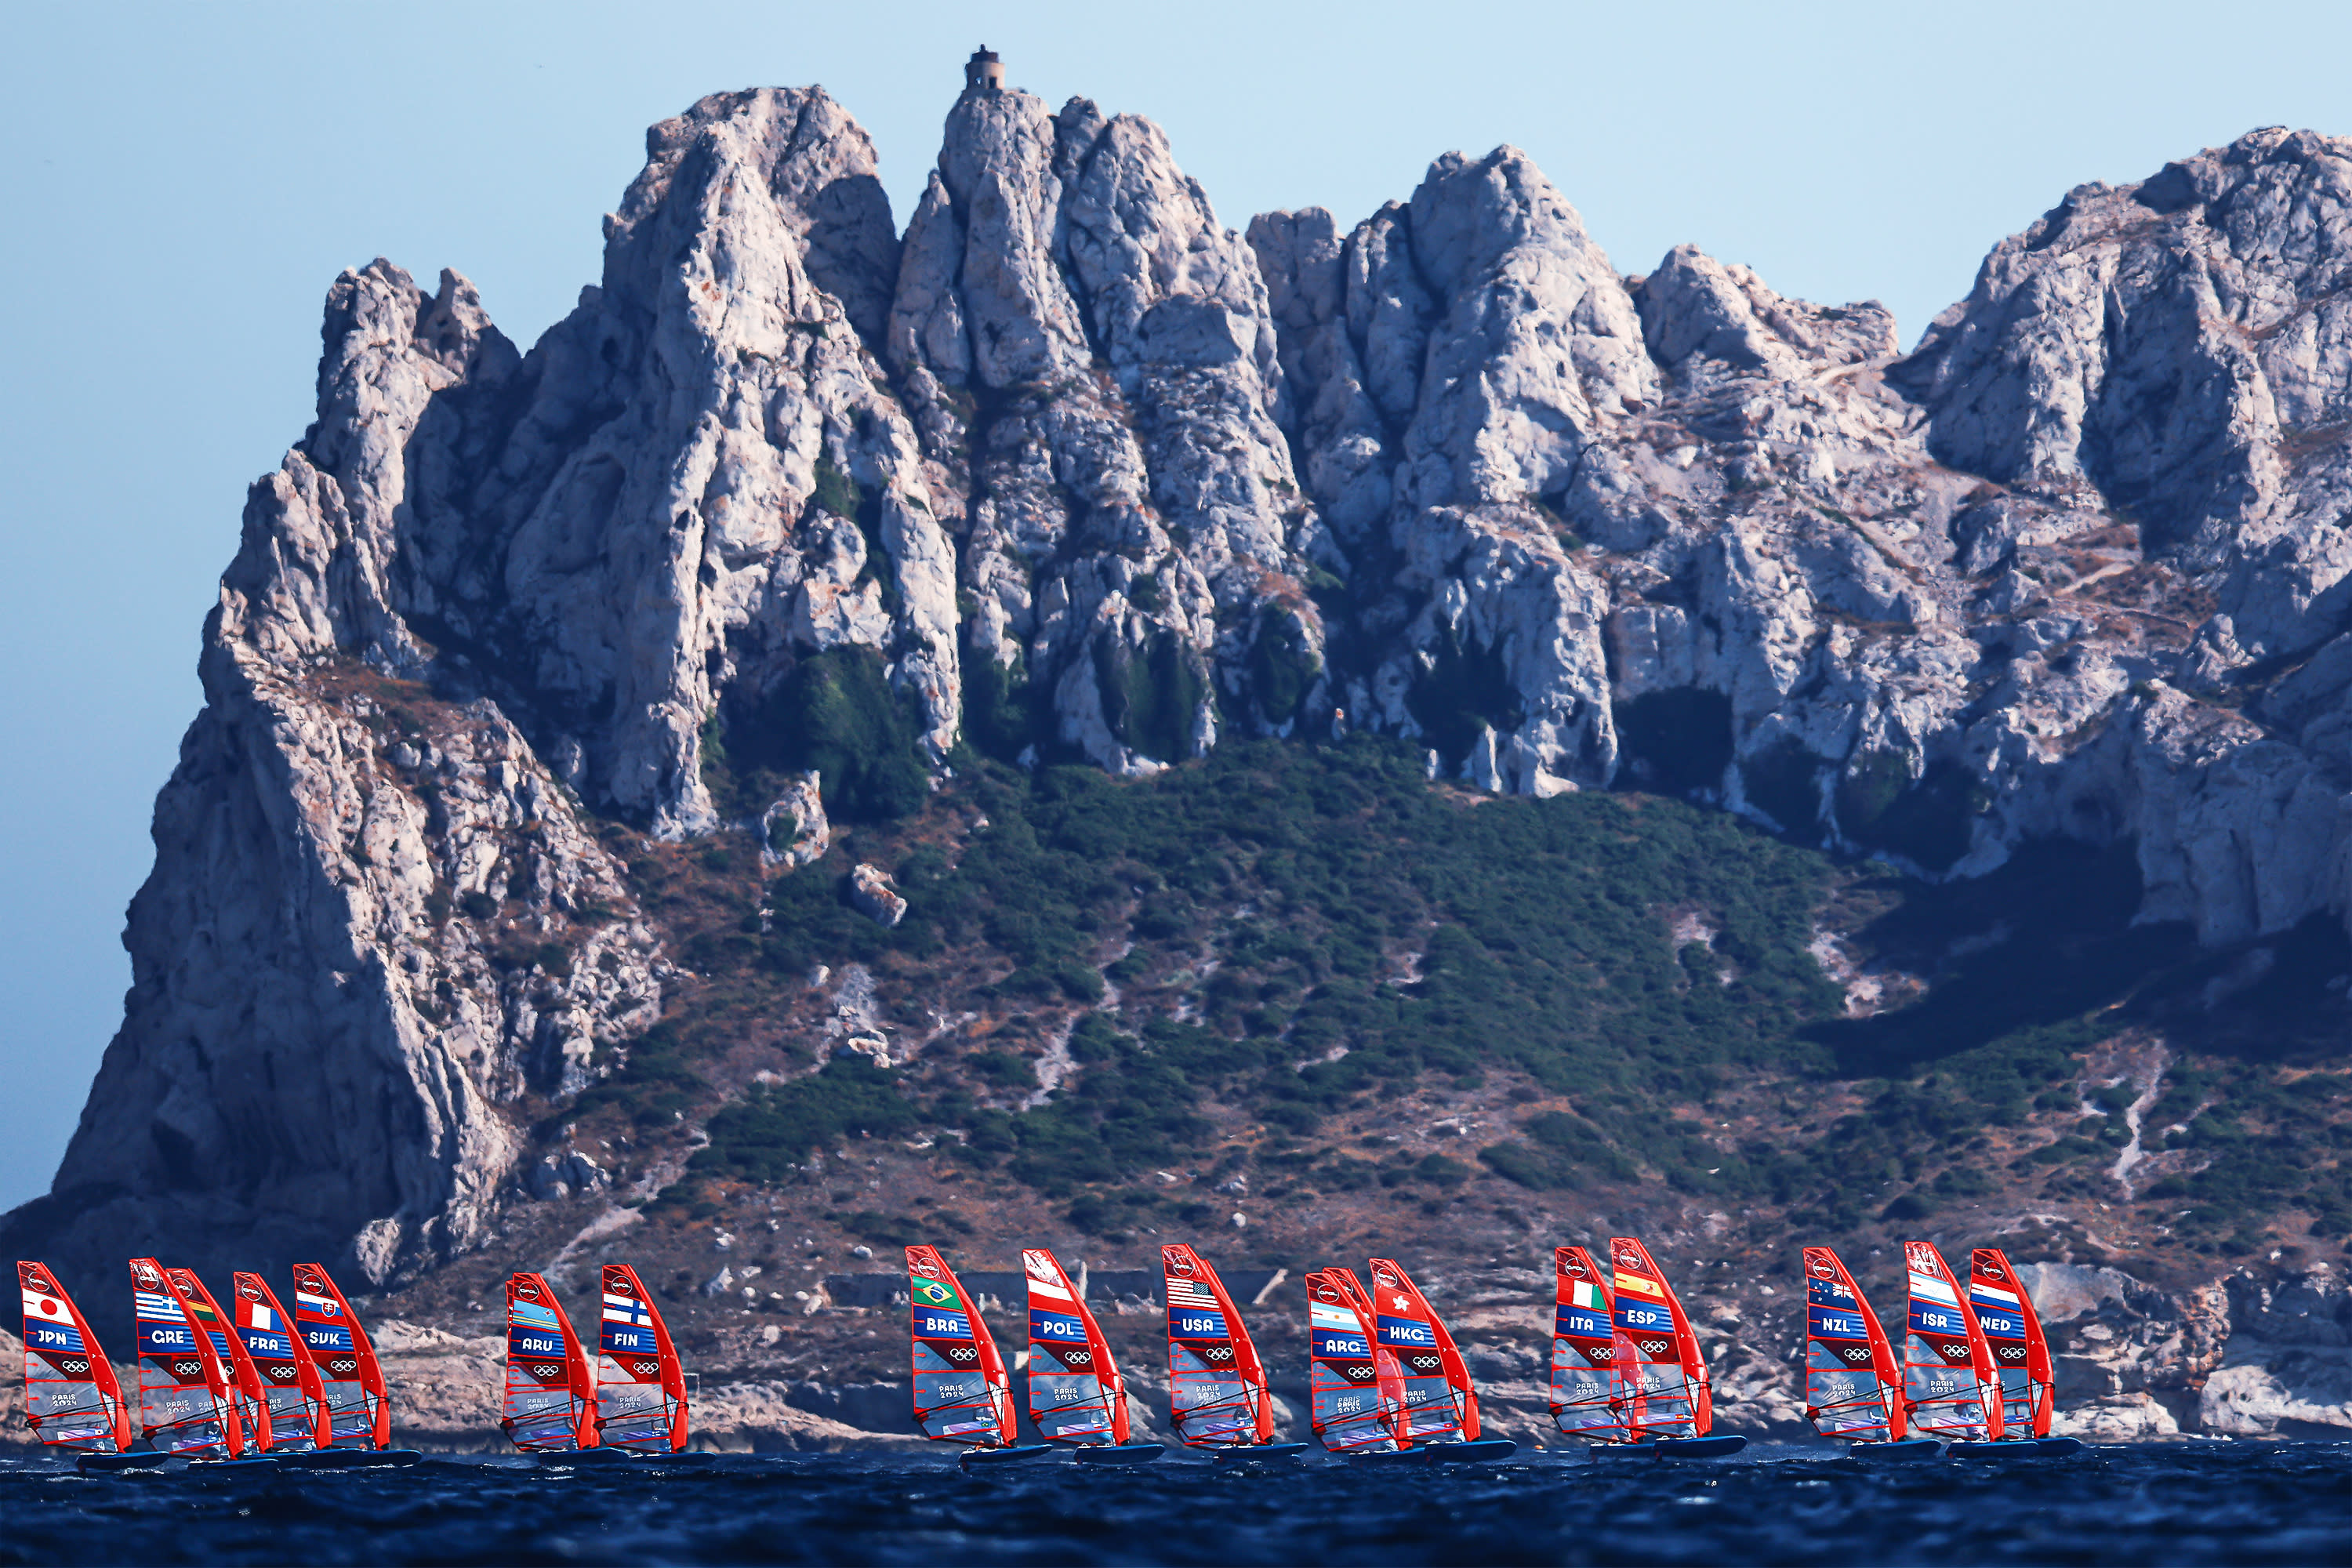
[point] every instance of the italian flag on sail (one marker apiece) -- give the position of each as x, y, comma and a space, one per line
1584, 1293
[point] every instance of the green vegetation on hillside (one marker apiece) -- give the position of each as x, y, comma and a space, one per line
1291, 937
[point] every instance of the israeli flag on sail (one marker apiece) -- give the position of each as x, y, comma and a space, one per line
1935, 1289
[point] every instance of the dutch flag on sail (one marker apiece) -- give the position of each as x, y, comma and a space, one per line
626, 1310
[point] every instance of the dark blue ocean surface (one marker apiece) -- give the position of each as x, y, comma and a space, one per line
2206, 1502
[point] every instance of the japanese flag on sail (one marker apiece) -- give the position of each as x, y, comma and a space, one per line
40, 1307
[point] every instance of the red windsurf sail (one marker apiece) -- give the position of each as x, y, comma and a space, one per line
1356, 1387
71, 1397
1075, 1395
2020, 1355
246, 1386
1440, 1404
1854, 1386
296, 1394
1584, 1350
962, 1393
551, 1389
359, 1408
640, 1387
1950, 1387
1663, 1386
1216, 1385
187, 1402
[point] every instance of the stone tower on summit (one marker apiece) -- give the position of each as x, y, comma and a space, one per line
983, 72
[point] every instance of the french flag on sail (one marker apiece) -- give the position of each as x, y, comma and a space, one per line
257, 1316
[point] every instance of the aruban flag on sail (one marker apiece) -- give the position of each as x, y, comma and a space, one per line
533, 1314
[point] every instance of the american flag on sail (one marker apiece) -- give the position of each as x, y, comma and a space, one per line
1188, 1293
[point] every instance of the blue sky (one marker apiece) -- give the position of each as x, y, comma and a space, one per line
183, 181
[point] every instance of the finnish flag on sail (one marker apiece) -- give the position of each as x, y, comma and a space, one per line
626, 1310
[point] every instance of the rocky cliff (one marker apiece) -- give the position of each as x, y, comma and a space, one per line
797, 522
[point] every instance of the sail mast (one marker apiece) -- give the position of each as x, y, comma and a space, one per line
72, 1399
1216, 1385
640, 1387
962, 1393
1948, 1381
1075, 1395
2020, 1352
1583, 1352
1853, 1384
185, 1401
550, 1390
291, 1387
358, 1403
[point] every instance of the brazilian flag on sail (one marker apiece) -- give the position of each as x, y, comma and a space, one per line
933, 1293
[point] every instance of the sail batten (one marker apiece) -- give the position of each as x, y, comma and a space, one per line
962, 1393
1076, 1394
1356, 1387
1853, 1384
72, 1398
1949, 1386
551, 1389
640, 1385
1217, 1383
359, 1406
2012, 1330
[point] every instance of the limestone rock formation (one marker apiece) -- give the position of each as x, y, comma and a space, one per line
1072, 471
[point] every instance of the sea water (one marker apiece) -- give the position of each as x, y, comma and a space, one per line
2171, 1503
